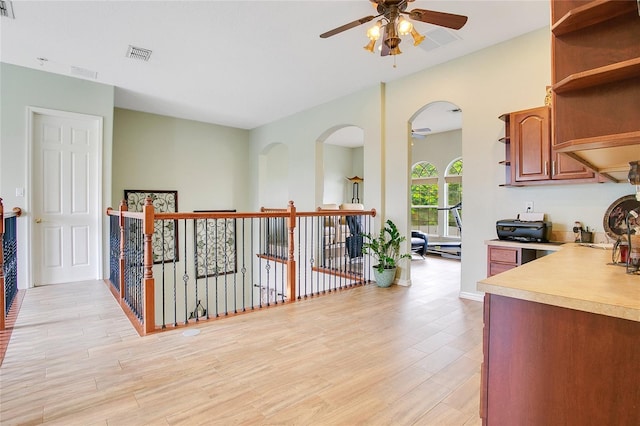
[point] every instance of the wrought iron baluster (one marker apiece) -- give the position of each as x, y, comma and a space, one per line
215, 254
185, 276
195, 266
164, 323
175, 282
243, 270
234, 269
206, 263
253, 304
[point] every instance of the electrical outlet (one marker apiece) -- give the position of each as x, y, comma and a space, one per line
528, 206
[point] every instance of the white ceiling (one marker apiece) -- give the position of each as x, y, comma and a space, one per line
239, 63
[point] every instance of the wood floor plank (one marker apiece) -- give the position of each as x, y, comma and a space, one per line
396, 356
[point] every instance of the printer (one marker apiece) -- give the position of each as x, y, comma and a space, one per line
538, 231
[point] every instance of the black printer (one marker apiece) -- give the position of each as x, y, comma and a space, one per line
528, 231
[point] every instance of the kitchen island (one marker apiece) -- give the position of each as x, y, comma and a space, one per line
562, 342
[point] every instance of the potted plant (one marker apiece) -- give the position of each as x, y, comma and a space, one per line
385, 248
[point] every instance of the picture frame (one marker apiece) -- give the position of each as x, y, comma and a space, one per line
165, 232
215, 245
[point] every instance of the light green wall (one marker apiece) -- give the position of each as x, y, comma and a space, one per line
206, 163
439, 149
506, 77
340, 162
274, 176
301, 133
24, 87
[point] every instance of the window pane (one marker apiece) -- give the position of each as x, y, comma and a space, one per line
456, 168
424, 195
424, 170
425, 219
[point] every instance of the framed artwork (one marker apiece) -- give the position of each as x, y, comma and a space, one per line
165, 232
215, 245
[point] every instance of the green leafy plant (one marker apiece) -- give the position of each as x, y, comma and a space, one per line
385, 248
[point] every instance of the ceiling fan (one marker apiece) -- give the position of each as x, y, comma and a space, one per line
393, 24
420, 133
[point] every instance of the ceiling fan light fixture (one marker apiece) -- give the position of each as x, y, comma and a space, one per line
417, 37
404, 27
370, 46
373, 33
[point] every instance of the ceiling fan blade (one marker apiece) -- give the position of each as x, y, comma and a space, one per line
418, 135
346, 27
421, 130
442, 19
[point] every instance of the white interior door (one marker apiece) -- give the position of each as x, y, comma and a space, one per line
66, 180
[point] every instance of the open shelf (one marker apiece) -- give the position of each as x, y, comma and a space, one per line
602, 75
591, 14
598, 142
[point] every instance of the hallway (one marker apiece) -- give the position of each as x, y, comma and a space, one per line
402, 355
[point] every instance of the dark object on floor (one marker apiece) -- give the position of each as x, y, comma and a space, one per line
419, 242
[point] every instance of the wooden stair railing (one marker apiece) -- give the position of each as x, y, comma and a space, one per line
146, 321
16, 212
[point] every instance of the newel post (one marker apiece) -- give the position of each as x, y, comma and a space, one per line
291, 263
123, 208
3, 310
147, 280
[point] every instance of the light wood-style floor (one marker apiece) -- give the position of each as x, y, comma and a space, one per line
369, 356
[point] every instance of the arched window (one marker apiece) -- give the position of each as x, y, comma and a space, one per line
424, 198
453, 181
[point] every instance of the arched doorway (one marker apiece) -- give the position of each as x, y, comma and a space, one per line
341, 149
436, 183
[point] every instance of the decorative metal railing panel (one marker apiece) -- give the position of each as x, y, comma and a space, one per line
228, 263
114, 252
10, 266
133, 265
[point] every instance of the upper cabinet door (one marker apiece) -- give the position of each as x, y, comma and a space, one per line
564, 167
531, 144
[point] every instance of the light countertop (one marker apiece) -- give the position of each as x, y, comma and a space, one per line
519, 244
574, 277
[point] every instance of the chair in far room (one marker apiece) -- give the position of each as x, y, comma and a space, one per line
419, 242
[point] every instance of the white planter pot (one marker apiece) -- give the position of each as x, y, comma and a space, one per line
385, 278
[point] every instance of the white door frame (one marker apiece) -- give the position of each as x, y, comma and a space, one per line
31, 113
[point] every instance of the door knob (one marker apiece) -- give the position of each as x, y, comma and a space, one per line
38, 220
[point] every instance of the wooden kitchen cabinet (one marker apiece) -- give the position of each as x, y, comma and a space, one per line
595, 53
500, 259
533, 157
548, 365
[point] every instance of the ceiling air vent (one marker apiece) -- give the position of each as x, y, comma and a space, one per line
6, 9
138, 53
439, 37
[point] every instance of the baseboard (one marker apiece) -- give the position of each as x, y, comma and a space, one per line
403, 282
479, 297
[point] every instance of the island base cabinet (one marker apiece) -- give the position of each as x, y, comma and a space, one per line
547, 365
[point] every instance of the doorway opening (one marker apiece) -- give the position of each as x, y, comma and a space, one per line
342, 170
436, 178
